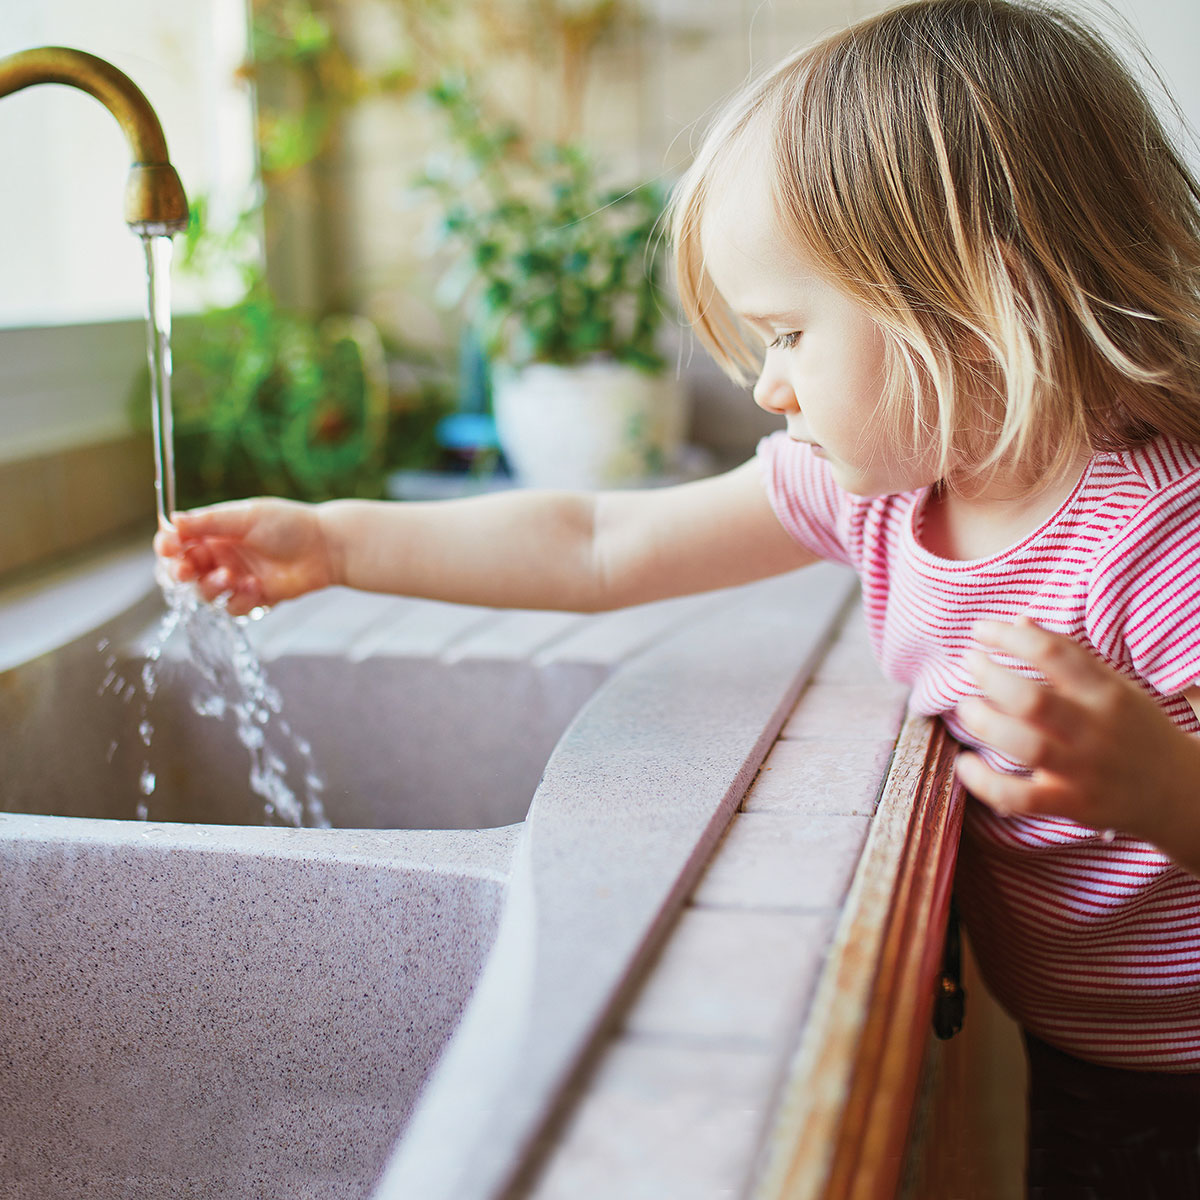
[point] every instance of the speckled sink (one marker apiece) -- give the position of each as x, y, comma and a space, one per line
197, 1005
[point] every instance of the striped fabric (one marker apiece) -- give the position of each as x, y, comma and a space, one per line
1091, 941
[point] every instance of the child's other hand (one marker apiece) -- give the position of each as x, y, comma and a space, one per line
255, 552
1101, 751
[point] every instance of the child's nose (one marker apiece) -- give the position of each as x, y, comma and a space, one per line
774, 393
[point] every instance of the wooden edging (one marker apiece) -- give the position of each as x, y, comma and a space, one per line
846, 1105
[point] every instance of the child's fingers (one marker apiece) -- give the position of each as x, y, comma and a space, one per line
242, 592
245, 599
1019, 696
1016, 739
183, 571
188, 565
1007, 794
203, 558
1063, 662
232, 520
216, 583
1015, 795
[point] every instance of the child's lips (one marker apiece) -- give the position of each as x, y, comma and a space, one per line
816, 447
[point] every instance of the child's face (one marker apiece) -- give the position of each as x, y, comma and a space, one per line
824, 366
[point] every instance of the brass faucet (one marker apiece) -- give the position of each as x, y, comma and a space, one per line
154, 198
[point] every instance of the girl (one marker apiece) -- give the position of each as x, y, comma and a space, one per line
973, 260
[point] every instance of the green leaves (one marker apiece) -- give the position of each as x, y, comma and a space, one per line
267, 400
551, 265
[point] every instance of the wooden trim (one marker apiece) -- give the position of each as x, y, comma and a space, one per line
846, 1106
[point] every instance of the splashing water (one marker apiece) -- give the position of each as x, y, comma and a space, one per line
231, 677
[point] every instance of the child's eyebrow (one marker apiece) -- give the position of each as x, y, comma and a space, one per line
767, 318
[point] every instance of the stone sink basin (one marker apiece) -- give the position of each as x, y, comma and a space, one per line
200, 1004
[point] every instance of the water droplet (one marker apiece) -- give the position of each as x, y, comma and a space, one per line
112, 749
146, 781
147, 732
235, 683
209, 706
143, 813
251, 737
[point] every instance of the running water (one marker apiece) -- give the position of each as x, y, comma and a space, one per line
231, 679
158, 351
231, 682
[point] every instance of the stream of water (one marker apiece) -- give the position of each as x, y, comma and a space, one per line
158, 353
229, 679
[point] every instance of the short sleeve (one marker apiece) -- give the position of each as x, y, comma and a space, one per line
806, 499
1144, 600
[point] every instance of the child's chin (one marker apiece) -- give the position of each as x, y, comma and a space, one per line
858, 484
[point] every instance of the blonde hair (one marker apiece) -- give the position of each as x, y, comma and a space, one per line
988, 180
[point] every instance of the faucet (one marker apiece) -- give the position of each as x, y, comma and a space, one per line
155, 203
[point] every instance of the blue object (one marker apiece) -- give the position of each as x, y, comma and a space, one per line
467, 431
474, 374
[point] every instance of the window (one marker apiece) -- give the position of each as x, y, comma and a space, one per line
68, 258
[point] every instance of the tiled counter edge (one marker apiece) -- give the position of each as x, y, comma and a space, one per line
684, 1100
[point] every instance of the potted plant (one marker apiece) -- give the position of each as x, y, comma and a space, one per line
562, 285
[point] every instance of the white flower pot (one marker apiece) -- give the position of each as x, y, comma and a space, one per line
596, 425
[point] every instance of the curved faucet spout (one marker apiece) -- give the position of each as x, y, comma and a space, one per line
154, 198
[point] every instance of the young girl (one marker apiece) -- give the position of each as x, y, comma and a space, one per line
973, 260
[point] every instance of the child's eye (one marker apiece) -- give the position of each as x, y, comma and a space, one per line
785, 341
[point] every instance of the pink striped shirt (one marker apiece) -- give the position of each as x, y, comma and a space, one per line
1092, 944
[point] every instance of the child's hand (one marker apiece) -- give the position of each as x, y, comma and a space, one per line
1101, 751
255, 552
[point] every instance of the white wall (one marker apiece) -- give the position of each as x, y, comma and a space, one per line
67, 255
1170, 30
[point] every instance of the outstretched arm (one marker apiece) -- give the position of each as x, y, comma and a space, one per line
524, 549
1101, 751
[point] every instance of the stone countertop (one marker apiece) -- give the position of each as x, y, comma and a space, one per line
681, 1095
678, 1104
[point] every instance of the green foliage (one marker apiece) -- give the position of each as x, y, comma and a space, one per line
203, 250
552, 266
267, 401
306, 80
